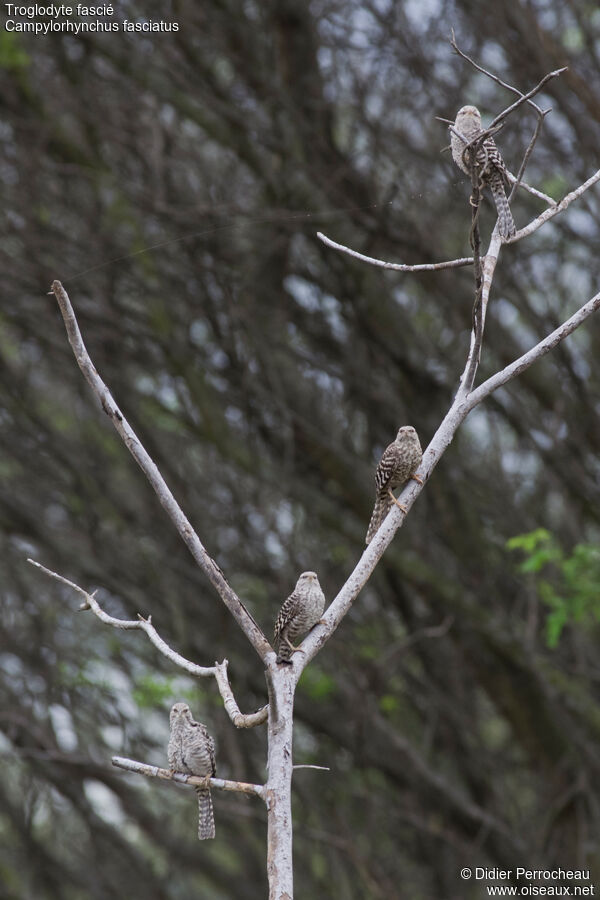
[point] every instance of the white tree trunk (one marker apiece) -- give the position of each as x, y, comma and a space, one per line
282, 683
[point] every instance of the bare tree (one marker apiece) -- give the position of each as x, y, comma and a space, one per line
283, 679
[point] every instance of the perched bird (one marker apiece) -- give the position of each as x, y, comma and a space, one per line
300, 612
192, 751
397, 465
489, 163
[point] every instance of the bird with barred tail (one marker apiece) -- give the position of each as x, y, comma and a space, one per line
299, 613
488, 161
398, 463
191, 750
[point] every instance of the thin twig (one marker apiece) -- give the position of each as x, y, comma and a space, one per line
509, 87
552, 211
398, 267
531, 190
528, 152
475, 241
219, 670
541, 349
150, 470
490, 260
321, 768
220, 784
526, 98
490, 131
139, 624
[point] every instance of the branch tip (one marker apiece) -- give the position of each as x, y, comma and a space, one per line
210, 568
396, 267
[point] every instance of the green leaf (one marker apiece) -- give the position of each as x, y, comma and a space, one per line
538, 560
528, 542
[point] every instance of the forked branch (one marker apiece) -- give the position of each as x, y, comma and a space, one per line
523, 98
552, 211
466, 397
461, 407
218, 671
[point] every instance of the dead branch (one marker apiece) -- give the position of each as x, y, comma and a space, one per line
397, 267
523, 98
478, 318
473, 357
220, 784
462, 405
559, 207
150, 470
219, 670
526, 98
531, 190
239, 719
526, 156
519, 365
465, 400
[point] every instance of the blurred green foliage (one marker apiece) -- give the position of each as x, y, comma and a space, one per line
12, 56
317, 684
153, 691
569, 584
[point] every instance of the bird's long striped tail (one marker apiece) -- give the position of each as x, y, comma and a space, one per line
506, 224
383, 504
206, 819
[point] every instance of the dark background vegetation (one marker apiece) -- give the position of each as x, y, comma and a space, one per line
265, 373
